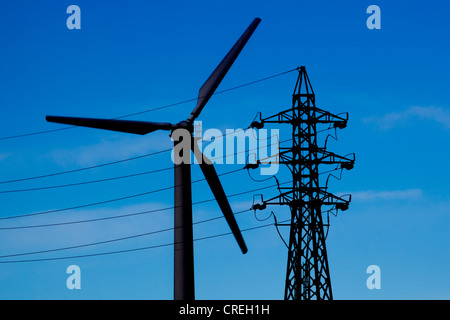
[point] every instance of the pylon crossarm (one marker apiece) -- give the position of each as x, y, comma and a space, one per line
330, 199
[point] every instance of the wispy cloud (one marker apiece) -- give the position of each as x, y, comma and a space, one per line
371, 195
241, 205
143, 218
108, 150
390, 120
4, 156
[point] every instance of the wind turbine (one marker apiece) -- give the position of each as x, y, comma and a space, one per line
183, 238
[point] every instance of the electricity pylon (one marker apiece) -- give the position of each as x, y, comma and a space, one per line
308, 273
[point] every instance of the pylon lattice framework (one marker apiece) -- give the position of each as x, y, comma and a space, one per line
307, 274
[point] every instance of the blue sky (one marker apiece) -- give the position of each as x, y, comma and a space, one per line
135, 56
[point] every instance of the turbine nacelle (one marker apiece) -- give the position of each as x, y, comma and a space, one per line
185, 124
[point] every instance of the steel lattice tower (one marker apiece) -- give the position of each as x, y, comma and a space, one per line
308, 273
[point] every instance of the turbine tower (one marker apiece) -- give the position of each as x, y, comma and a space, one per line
183, 234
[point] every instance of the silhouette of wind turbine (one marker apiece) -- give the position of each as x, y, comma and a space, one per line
183, 238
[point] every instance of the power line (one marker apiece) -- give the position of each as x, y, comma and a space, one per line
103, 165
104, 201
134, 213
134, 249
109, 179
116, 239
86, 168
150, 110
87, 182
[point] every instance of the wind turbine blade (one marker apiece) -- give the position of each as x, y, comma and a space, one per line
208, 88
214, 183
136, 127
